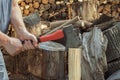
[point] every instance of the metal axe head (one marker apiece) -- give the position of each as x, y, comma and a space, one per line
72, 38
51, 46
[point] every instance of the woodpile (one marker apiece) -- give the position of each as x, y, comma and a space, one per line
47, 9
110, 8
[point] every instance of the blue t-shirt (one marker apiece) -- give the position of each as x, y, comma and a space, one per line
5, 12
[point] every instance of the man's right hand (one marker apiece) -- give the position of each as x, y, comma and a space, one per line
13, 46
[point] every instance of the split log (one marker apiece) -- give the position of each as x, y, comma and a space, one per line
113, 67
68, 22
113, 49
103, 26
74, 64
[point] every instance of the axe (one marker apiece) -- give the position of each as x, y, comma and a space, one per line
69, 33
47, 42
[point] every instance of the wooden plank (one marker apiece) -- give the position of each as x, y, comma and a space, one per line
74, 64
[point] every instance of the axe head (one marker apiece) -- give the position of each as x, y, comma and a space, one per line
51, 46
72, 38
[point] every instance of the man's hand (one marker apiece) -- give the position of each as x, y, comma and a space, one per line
27, 38
13, 46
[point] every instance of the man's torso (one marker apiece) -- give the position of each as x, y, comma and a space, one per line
5, 12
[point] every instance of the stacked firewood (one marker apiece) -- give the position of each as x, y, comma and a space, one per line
47, 9
110, 8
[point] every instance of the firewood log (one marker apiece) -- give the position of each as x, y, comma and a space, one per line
32, 10
45, 1
28, 1
36, 5
23, 4
26, 12
51, 1
30, 5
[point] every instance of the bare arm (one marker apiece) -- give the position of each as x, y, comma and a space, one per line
12, 45
4, 39
16, 19
23, 34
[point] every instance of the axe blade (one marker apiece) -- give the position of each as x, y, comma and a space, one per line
51, 46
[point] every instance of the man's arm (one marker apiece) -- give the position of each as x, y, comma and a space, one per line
4, 39
23, 34
16, 18
12, 45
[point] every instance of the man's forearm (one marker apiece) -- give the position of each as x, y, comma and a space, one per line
4, 39
16, 18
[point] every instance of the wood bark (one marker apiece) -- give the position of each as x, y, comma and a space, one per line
53, 65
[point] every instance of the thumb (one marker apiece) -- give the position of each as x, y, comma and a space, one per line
35, 42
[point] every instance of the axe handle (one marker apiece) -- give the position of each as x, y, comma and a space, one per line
54, 36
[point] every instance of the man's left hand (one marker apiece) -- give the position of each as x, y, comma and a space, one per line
27, 37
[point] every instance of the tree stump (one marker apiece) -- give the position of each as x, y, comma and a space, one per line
45, 64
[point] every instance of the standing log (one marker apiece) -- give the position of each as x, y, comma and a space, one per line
89, 12
74, 61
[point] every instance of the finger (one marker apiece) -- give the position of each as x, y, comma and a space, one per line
35, 42
30, 45
22, 49
25, 45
